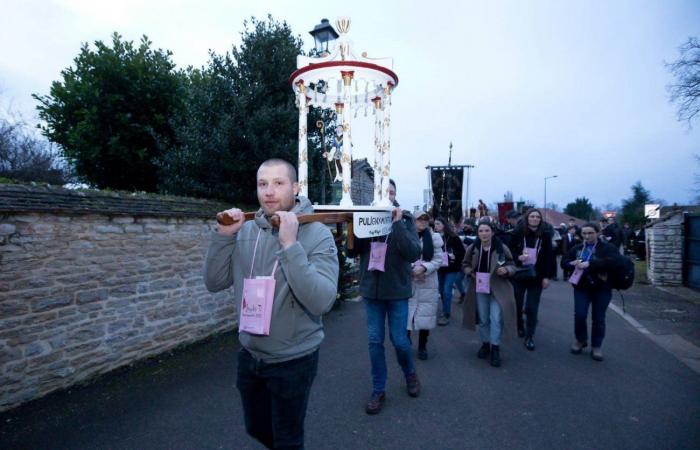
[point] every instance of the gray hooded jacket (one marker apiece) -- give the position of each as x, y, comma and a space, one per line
305, 288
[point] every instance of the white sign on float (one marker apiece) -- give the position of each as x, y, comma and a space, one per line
371, 223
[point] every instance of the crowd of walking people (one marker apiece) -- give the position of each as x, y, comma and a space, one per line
284, 277
500, 272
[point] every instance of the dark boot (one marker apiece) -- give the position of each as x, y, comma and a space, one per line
495, 356
529, 343
413, 385
375, 403
484, 351
423, 344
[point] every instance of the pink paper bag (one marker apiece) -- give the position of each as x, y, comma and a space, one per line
445, 260
531, 256
377, 256
256, 307
576, 276
483, 282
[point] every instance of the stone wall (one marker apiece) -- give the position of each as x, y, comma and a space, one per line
665, 251
82, 292
362, 188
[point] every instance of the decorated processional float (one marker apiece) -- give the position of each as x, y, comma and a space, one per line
346, 83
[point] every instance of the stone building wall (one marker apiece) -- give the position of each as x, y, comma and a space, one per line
362, 189
665, 251
95, 281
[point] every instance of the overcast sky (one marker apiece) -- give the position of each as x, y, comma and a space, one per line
524, 89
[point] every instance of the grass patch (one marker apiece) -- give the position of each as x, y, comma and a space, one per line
640, 272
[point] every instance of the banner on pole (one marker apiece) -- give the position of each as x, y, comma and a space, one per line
447, 183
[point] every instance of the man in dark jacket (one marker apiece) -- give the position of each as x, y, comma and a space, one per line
385, 294
612, 233
569, 241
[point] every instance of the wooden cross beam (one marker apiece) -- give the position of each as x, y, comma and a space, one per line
326, 217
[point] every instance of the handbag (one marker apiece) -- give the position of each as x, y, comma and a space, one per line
525, 273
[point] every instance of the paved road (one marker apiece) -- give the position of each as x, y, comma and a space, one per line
640, 397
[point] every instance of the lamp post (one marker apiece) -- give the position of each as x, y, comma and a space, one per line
545, 195
324, 35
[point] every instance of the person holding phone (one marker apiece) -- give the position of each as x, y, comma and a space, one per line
591, 261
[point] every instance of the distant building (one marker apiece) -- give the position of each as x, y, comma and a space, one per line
362, 189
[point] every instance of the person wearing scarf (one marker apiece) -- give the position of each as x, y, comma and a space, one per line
596, 258
497, 308
423, 304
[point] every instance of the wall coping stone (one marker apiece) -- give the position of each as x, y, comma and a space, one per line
17, 198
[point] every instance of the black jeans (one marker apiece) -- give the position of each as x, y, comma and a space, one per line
527, 294
422, 338
275, 397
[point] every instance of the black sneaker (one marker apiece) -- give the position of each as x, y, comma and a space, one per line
484, 351
413, 385
495, 356
422, 354
375, 403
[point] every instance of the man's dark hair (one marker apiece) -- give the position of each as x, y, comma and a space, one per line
595, 226
512, 214
291, 170
391, 182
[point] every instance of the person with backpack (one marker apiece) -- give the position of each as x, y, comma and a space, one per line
594, 262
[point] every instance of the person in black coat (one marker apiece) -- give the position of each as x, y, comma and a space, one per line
612, 233
451, 274
531, 244
569, 240
594, 259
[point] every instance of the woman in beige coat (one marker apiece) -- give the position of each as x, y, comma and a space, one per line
489, 263
423, 304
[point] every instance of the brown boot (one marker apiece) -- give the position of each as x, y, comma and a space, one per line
375, 403
413, 385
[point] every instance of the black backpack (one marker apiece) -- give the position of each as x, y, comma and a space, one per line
621, 277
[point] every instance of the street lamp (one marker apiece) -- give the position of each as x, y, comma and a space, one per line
545, 195
323, 34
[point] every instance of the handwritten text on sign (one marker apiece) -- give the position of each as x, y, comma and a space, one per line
371, 223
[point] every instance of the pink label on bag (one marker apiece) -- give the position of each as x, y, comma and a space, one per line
377, 256
576, 276
256, 307
483, 282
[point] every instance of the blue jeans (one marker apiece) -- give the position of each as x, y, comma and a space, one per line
275, 397
446, 280
397, 313
490, 318
460, 283
599, 299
